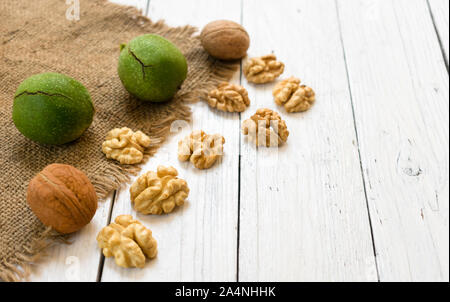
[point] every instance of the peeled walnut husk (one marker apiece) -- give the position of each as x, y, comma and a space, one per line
265, 128
62, 197
293, 96
128, 241
225, 40
201, 149
159, 192
229, 97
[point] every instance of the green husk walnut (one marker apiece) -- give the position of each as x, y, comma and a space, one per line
52, 108
152, 68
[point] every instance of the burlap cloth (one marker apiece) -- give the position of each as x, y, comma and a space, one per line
35, 37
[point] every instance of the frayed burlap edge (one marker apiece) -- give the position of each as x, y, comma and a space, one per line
18, 268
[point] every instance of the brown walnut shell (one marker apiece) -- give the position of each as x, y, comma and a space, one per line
225, 40
62, 197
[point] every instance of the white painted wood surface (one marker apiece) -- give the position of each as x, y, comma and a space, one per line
303, 210
440, 12
400, 88
344, 185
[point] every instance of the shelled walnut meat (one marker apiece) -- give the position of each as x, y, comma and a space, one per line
158, 192
294, 97
226, 40
266, 128
201, 149
229, 97
125, 146
62, 197
264, 69
128, 241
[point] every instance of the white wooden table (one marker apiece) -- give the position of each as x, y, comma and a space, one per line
361, 190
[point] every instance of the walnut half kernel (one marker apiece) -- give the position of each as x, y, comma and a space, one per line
201, 149
158, 192
264, 69
229, 97
266, 128
294, 97
125, 146
128, 241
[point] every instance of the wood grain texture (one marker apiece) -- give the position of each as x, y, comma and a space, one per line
303, 211
440, 13
198, 241
400, 87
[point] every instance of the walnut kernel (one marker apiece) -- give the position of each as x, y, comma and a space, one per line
125, 146
294, 97
128, 241
229, 97
201, 149
160, 192
266, 128
263, 69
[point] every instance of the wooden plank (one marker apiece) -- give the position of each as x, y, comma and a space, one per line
440, 13
303, 211
80, 260
198, 242
400, 93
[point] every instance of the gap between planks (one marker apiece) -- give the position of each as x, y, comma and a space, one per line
108, 221
399, 254
239, 162
357, 138
438, 34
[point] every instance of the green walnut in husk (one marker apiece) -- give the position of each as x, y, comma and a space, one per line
152, 68
52, 108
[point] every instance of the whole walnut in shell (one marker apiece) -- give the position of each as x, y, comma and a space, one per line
226, 40
62, 197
